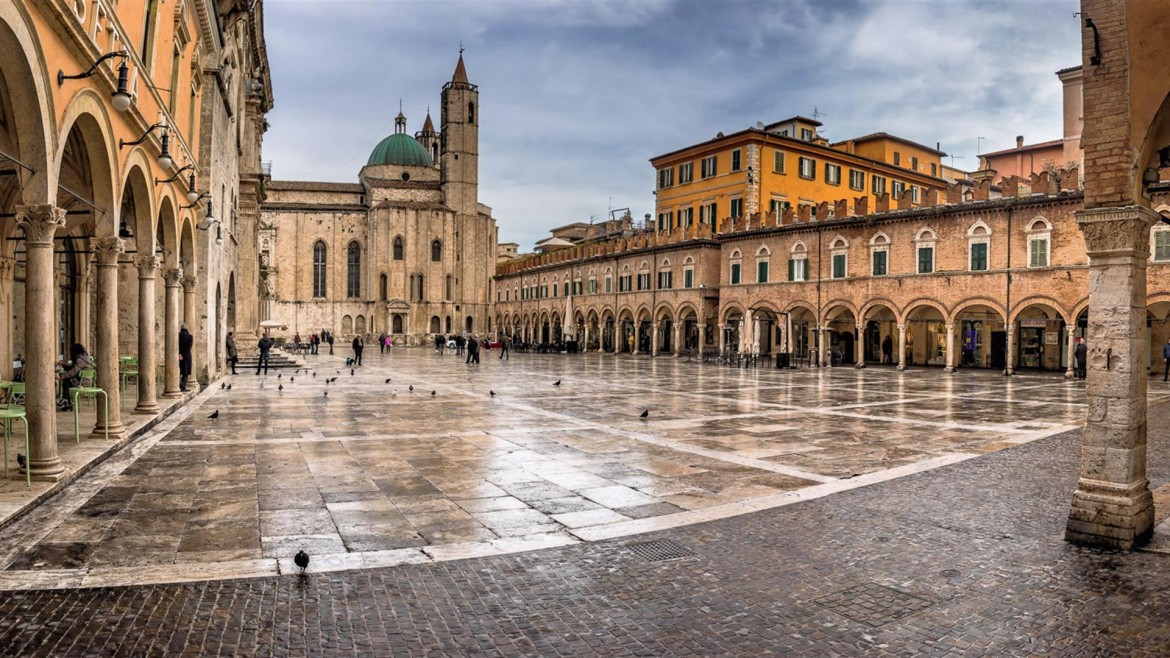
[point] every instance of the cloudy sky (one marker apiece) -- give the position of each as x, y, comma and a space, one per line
577, 95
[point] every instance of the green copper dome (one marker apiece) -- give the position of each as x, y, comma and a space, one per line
400, 149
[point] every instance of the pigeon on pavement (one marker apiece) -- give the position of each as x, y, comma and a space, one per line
301, 559
645, 414
557, 383
214, 414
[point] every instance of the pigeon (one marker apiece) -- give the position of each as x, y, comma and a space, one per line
278, 375
261, 383
326, 393
645, 414
20, 460
557, 383
412, 388
387, 381
214, 414
291, 379
229, 387
432, 394
222, 385
301, 559
280, 387
314, 373
351, 372
327, 381
492, 393
338, 372
394, 394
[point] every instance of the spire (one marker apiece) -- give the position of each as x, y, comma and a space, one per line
460, 70
428, 126
400, 120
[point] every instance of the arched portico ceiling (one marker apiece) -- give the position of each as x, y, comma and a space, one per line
25, 105
686, 310
86, 168
141, 202
664, 312
923, 308
839, 310
1027, 307
981, 306
879, 309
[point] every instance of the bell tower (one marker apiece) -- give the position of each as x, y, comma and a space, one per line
459, 143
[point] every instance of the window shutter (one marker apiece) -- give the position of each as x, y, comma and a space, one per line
791, 269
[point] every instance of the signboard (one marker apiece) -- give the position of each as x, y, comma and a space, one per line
1034, 322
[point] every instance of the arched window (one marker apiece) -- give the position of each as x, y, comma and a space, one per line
471, 113
879, 254
319, 269
434, 324
396, 323
421, 288
436, 251
353, 286
1039, 234
448, 324
382, 287
398, 247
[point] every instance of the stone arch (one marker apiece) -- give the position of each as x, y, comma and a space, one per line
968, 302
136, 182
873, 303
834, 308
167, 230
30, 105
839, 242
1037, 300
729, 309
763, 251
979, 229
86, 114
664, 310
346, 324
920, 302
879, 239
187, 246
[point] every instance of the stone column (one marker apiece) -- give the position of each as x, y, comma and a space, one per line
722, 337
702, 341
788, 343
653, 339
675, 344
1112, 506
950, 348
171, 279
147, 377
860, 343
6, 288
190, 315
901, 347
1010, 359
824, 348
1072, 345
106, 253
39, 224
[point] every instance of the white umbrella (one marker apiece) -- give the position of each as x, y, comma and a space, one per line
272, 324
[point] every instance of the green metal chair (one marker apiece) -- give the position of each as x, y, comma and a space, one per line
127, 370
9, 413
92, 390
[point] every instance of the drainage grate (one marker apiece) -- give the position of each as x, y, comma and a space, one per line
660, 550
873, 604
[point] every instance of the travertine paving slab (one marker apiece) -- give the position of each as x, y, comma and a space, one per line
376, 474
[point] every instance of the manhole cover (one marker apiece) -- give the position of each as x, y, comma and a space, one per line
873, 604
660, 550
949, 573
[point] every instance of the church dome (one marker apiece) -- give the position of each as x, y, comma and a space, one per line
400, 149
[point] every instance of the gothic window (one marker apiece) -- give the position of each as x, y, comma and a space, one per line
382, 288
436, 251
398, 247
471, 113
353, 287
319, 269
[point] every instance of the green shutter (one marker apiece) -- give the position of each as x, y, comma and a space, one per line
791, 269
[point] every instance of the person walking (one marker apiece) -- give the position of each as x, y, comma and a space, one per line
329, 339
505, 347
887, 350
232, 355
186, 342
265, 346
1081, 352
358, 346
314, 341
472, 350
381, 343
1166, 358
297, 342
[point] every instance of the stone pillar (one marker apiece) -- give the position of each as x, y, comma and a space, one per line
950, 347
1011, 349
106, 253
860, 343
901, 347
675, 344
190, 316
171, 279
722, 337
6, 288
824, 348
39, 224
788, 343
654, 339
702, 341
1112, 506
1071, 347
147, 376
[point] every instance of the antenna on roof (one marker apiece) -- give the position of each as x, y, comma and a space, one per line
817, 114
759, 125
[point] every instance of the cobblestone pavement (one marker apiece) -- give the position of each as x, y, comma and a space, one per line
966, 559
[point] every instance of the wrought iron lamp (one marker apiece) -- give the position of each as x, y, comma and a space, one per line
121, 98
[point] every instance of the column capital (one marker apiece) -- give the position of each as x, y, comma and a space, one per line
106, 250
950, 326
40, 222
147, 266
189, 282
901, 327
1123, 231
172, 276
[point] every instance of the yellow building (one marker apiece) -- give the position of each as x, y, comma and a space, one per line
788, 166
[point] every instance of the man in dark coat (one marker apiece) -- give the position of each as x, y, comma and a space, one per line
186, 342
358, 346
265, 346
1081, 351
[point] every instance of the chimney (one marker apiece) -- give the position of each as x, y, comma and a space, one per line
1019, 141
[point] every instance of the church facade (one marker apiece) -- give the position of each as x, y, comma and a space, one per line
408, 250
